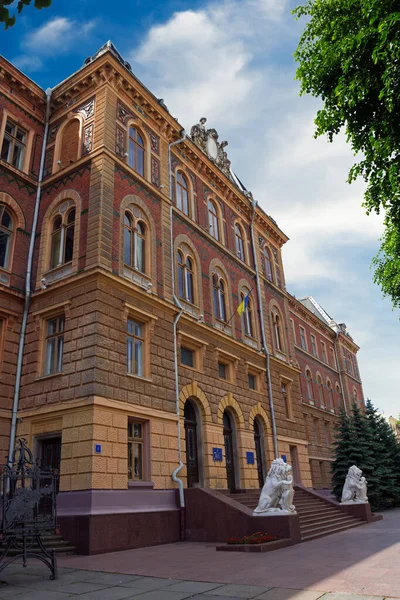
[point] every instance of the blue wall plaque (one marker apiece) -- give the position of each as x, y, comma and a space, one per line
283, 457
217, 454
250, 458
97, 448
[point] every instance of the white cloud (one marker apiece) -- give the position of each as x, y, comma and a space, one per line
231, 62
52, 39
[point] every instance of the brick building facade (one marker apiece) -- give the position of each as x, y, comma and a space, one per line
137, 371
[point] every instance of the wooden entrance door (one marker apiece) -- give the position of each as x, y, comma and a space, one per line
258, 446
192, 458
229, 454
295, 464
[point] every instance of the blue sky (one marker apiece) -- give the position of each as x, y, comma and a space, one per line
231, 61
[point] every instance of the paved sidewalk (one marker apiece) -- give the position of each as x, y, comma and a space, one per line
32, 583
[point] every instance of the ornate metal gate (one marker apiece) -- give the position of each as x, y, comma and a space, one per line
28, 496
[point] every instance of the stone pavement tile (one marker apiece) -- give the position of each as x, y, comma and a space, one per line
79, 587
40, 595
238, 591
12, 591
342, 596
208, 597
291, 594
110, 593
196, 587
110, 578
161, 595
146, 584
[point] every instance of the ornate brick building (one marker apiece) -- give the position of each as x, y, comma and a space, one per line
123, 359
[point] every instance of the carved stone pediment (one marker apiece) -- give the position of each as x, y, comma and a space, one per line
207, 141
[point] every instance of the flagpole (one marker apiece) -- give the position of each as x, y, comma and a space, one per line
236, 312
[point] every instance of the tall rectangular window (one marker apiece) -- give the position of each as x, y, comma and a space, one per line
135, 348
303, 341
323, 352
286, 399
135, 451
252, 381
223, 370
314, 345
294, 331
333, 358
13, 146
316, 439
54, 345
327, 434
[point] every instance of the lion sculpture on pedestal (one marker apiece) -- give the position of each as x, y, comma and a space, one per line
277, 493
355, 487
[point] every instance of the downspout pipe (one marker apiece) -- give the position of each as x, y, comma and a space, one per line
175, 472
28, 289
263, 336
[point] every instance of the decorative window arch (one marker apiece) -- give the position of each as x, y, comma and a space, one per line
248, 314
277, 329
69, 152
182, 191
186, 275
320, 389
309, 382
7, 236
267, 264
136, 240
330, 394
220, 290
214, 224
240, 242
136, 150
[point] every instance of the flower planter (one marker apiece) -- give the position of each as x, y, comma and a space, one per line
267, 547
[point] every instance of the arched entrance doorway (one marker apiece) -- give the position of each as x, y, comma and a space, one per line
259, 447
192, 454
229, 451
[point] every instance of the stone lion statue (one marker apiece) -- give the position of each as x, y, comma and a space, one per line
355, 486
277, 493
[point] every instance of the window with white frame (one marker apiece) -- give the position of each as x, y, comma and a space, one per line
309, 385
14, 144
6, 236
54, 345
182, 193
62, 238
185, 268
314, 346
219, 297
213, 221
135, 239
303, 340
239, 242
323, 352
135, 347
136, 151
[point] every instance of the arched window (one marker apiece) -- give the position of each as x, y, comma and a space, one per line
267, 264
339, 393
135, 242
277, 327
219, 297
182, 193
213, 219
239, 242
309, 385
62, 239
355, 396
6, 233
185, 277
247, 315
136, 151
320, 390
330, 394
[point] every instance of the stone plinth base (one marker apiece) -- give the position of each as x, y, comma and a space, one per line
360, 511
99, 521
214, 517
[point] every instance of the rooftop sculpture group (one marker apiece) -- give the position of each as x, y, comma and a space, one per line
207, 141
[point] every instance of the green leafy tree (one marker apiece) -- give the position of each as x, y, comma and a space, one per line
8, 19
349, 56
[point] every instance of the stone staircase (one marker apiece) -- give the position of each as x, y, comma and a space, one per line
317, 518
50, 542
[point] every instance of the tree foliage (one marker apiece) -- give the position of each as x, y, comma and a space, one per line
366, 440
8, 19
349, 56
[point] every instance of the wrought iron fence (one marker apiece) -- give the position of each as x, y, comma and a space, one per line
28, 511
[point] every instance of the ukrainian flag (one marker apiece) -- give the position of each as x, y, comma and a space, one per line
244, 304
